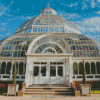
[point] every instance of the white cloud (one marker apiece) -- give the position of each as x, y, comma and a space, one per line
84, 5
2, 7
98, 12
93, 4
26, 17
8, 30
98, 0
3, 24
2, 29
71, 16
67, 15
8, 33
89, 25
71, 5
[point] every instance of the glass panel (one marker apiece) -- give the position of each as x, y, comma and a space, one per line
75, 69
87, 67
81, 69
43, 70
98, 67
93, 68
52, 63
60, 71
43, 62
36, 70
53, 71
59, 63
36, 62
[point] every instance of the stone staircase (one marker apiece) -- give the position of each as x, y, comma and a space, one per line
48, 90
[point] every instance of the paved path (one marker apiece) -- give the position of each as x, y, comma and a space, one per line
92, 97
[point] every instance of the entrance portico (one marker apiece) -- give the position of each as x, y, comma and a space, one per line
48, 61
48, 69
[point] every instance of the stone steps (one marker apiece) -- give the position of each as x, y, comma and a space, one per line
48, 90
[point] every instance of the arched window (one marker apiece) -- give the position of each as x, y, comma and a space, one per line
87, 68
48, 48
21, 68
92, 67
75, 69
25, 69
98, 67
3, 66
81, 69
8, 71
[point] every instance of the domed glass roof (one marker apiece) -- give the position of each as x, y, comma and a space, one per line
48, 22
18, 44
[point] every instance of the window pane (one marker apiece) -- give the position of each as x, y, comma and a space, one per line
52, 63
81, 69
93, 68
43, 62
60, 71
43, 70
36, 62
75, 69
52, 71
87, 68
59, 63
36, 70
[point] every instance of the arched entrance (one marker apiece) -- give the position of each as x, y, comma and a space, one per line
46, 60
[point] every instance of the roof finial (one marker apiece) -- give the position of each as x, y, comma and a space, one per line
48, 4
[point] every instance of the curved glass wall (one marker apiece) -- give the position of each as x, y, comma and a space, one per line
17, 45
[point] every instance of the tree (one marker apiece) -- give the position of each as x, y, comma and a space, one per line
14, 73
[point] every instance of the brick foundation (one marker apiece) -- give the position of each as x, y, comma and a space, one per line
94, 84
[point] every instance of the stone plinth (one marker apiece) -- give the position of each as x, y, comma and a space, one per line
77, 93
20, 93
73, 84
24, 85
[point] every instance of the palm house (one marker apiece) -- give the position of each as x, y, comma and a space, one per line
48, 49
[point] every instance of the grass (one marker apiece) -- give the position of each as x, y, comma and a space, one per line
95, 91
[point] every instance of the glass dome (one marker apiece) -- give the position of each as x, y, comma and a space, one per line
48, 22
17, 45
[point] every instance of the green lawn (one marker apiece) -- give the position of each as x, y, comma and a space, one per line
95, 92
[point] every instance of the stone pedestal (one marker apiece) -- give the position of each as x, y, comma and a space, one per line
23, 84
85, 89
73, 84
20, 93
77, 93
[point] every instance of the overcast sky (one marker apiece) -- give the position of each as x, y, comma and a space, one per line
85, 14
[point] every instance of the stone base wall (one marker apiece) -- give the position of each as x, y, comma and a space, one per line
94, 84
